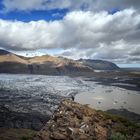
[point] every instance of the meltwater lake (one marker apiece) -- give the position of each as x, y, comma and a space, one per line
40, 93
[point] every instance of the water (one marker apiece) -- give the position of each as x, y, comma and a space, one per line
40, 93
110, 97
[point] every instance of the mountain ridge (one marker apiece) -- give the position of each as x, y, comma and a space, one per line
47, 64
99, 64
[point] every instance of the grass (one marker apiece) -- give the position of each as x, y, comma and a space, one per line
118, 136
16, 134
122, 129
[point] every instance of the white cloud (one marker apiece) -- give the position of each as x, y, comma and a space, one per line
92, 5
81, 34
30, 5
11, 5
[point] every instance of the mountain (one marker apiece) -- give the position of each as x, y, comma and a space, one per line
11, 63
99, 64
4, 52
46, 64
49, 65
73, 121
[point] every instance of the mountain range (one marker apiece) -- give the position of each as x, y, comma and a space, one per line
50, 65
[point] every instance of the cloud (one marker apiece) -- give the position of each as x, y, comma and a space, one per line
80, 34
31, 5
91, 5
11, 5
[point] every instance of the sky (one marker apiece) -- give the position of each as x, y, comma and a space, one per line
90, 29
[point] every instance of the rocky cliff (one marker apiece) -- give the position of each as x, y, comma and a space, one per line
73, 121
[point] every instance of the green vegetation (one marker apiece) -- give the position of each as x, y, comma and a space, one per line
118, 136
16, 134
122, 129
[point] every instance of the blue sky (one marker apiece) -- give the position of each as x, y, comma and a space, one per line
48, 15
35, 15
75, 29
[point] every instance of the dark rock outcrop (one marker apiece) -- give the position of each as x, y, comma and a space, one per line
4, 52
99, 64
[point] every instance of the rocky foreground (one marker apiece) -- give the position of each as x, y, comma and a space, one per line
72, 121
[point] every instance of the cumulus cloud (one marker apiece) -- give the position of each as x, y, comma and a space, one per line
30, 5
93, 5
81, 34
120, 52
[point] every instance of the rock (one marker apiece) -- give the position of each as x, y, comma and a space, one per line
58, 136
73, 121
100, 132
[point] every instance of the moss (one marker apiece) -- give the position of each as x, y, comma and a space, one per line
121, 127
119, 136
16, 134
